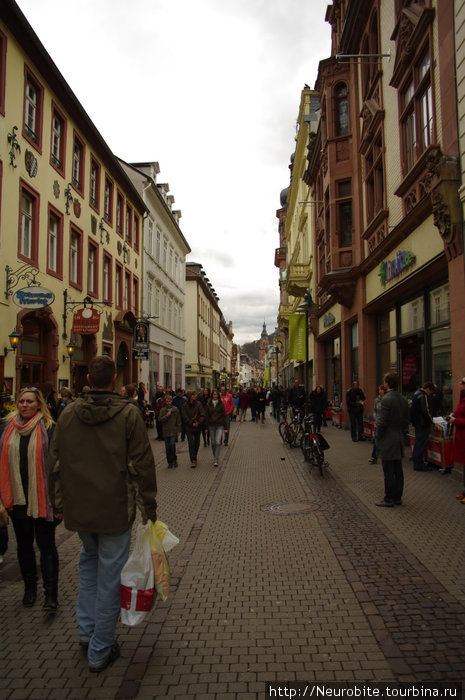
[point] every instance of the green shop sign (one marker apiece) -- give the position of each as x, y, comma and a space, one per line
390, 269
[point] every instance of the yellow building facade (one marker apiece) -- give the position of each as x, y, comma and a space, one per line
70, 228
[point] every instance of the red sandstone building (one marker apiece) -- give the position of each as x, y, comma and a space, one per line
384, 173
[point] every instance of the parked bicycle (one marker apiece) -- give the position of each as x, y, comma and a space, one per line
291, 431
313, 443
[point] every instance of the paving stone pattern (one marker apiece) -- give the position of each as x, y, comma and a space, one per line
334, 590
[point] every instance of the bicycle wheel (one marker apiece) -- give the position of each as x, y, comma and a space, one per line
288, 434
282, 429
297, 431
318, 456
306, 447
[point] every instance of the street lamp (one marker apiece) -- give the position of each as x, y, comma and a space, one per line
70, 348
14, 339
307, 305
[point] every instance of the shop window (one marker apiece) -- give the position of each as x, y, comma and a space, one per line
58, 141
33, 110
94, 184
75, 258
412, 316
78, 164
441, 361
108, 201
167, 370
439, 306
28, 240
55, 243
342, 110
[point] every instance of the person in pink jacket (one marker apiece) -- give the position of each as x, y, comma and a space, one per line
228, 404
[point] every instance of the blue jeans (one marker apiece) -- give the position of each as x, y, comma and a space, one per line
421, 439
356, 426
101, 560
228, 426
216, 438
170, 449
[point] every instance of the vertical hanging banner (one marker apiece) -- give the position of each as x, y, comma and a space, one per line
267, 375
297, 337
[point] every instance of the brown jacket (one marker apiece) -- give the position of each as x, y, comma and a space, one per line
101, 465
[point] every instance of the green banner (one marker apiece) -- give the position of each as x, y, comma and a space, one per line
297, 337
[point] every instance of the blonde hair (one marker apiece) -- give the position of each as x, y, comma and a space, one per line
46, 417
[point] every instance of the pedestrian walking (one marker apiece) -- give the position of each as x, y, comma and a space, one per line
203, 397
170, 420
355, 401
194, 419
421, 417
243, 405
391, 429
376, 409
101, 466
157, 405
261, 405
216, 424
228, 404
66, 397
24, 448
253, 403
179, 400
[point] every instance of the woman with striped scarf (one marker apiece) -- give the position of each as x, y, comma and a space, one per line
24, 493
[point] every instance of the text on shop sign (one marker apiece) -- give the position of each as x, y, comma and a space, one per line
392, 268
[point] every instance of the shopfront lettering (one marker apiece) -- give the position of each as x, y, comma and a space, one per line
33, 297
392, 268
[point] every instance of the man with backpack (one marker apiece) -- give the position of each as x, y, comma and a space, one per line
421, 417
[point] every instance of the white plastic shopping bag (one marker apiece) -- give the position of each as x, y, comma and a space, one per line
137, 581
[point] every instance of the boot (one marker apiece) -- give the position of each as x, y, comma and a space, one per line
49, 567
30, 591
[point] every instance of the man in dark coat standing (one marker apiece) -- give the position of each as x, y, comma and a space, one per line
391, 427
355, 401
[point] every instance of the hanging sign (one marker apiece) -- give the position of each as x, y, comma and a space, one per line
141, 336
33, 297
297, 337
86, 321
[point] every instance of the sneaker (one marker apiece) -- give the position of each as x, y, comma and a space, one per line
215, 464
387, 504
112, 656
193, 465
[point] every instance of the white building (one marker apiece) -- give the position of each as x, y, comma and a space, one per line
163, 287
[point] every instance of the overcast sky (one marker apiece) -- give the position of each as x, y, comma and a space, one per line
211, 90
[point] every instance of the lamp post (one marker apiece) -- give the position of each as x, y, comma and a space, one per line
307, 305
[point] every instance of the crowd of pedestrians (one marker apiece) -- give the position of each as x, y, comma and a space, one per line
88, 461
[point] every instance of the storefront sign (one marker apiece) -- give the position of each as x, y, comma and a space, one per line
33, 297
409, 368
328, 319
86, 321
392, 268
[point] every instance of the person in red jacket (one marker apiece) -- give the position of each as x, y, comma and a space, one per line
228, 404
243, 405
457, 419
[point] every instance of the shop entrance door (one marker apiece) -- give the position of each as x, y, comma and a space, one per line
411, 351
32, 374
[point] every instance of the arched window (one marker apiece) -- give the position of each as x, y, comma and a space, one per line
342, 110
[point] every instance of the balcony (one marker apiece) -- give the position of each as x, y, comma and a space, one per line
280, 256
298, 278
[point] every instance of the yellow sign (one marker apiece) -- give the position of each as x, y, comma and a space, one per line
297, 337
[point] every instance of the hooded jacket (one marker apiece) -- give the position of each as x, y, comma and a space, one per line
101, 465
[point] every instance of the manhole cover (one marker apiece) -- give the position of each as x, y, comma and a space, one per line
290, 508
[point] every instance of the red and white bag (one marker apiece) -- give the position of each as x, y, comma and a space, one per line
137, 583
